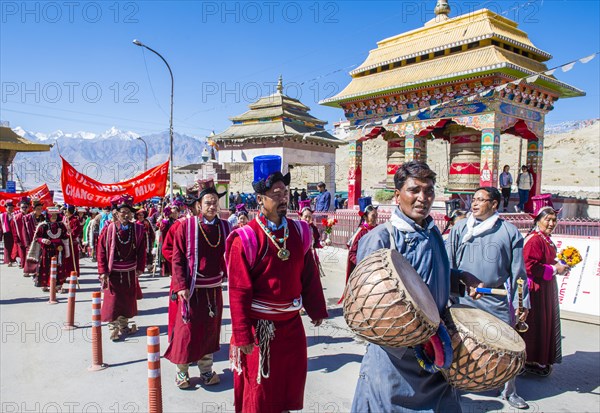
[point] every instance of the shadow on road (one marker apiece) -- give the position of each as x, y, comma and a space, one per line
332, 362
578, 373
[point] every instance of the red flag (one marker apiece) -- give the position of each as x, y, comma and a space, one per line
81, 190
41, 192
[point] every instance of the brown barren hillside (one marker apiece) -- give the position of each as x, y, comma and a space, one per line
571, 162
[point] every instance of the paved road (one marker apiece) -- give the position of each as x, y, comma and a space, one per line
44, 368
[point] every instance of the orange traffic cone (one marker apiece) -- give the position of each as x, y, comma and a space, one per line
97, 363
154, 381
70, 324
53, 271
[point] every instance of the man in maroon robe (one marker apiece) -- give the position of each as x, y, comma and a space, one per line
26, 236
171, 214
166, 247
141, 217
18, 230
121, 259
272, 275
75, 232
6, 233
196, 305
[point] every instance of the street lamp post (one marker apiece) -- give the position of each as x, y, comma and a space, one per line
138, 43
146, 158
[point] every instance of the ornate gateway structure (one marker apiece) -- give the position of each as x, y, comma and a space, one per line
467, 80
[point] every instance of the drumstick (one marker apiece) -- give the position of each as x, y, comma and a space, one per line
493, 291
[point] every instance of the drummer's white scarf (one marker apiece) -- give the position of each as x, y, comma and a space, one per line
474, 229
401, 224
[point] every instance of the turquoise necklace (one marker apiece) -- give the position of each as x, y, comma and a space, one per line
282, 252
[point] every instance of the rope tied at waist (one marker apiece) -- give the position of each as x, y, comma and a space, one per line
265, 333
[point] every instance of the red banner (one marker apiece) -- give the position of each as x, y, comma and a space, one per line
41, 192
81, 190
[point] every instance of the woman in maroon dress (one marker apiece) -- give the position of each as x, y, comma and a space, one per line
53, 241
121, 259
306, 214
543, 338
142, 218
368, 221
241, 214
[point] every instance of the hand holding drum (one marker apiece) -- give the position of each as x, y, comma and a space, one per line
387, 303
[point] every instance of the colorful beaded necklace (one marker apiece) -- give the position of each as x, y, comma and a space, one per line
282, 252
545, 238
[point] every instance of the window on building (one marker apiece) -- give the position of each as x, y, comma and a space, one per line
456, 49
438, 53
411, 60
495, 43
424, 57
472, 45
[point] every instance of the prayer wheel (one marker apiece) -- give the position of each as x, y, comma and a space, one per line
395, 158
465, 159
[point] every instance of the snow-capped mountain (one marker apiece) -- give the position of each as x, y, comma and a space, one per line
111, 156
109, 134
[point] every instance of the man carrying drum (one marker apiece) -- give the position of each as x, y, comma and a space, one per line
492, 248
390, 378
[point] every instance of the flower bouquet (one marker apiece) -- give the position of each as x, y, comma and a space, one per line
328, 226
569, 256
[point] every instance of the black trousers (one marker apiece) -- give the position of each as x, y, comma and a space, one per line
505, 196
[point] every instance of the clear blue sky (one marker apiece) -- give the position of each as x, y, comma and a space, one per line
74, 67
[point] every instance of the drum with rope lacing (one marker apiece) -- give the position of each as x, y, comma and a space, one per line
386, 301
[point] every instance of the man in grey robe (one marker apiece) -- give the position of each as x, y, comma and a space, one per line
391, 379
492, 249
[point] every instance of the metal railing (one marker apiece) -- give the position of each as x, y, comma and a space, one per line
348, 221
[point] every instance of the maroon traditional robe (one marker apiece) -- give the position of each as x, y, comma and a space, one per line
30, 224
351, 265
316, 236
543, 339
166, 239
56, 232
120, 254
150, 238
24, 229
276, 281
191, 340
6, 234
73, 225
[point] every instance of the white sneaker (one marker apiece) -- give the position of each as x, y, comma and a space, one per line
517, 209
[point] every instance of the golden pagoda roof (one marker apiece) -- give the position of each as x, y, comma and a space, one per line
10, 141
447, 49
434, 36
465, 64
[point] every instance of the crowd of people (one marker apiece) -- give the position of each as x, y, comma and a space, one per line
273, 274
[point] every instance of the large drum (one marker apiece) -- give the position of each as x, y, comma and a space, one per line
487, 351
386, 302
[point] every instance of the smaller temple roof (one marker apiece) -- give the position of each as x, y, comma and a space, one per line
277, 116
10, 141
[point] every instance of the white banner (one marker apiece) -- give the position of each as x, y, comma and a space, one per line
579, 290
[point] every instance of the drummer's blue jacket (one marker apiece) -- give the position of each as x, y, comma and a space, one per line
391, 379
423, 247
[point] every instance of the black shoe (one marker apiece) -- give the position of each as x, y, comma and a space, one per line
516, 401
